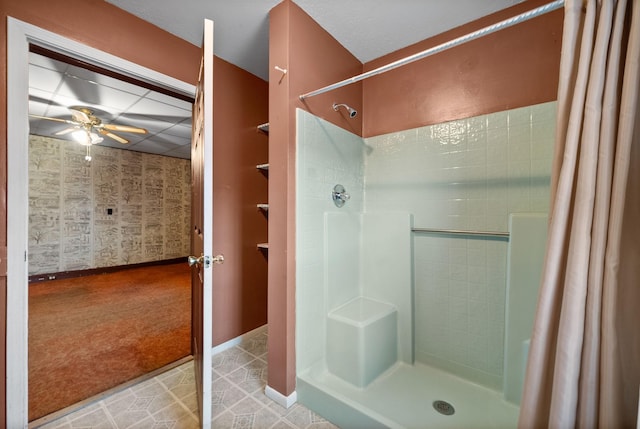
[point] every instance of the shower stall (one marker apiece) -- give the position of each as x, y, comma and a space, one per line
416, 285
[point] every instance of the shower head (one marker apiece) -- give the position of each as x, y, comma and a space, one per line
352, 112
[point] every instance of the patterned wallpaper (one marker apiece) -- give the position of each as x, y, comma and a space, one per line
121, 208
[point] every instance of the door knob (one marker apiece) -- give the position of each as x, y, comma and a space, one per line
205, 260
194, 260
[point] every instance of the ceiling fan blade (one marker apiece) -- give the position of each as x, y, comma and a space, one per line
66, 121
124, 128
67, 131
113, 136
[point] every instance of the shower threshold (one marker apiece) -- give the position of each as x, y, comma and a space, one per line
402, 398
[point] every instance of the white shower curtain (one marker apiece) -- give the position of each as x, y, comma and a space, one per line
584, 363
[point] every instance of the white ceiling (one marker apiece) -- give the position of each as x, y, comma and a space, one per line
369, 29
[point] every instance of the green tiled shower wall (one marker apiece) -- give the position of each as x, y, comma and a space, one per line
464, 174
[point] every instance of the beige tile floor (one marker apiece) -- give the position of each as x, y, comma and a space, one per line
169, 399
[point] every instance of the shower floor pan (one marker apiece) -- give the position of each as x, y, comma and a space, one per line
403, 397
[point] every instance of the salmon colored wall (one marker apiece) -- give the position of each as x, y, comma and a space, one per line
105, 27
313, 59
240, 284
514, 67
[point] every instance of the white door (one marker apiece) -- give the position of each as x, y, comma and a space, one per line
201, 228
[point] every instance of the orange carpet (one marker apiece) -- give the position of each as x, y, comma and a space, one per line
89, 334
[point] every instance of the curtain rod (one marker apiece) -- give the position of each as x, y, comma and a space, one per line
442, 47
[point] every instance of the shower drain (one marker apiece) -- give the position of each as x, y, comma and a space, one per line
443, 407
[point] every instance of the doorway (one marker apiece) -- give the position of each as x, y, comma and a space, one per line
20, 36
95, 212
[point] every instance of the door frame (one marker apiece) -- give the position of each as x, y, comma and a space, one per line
19, 36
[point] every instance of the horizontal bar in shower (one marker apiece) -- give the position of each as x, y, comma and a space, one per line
462, 232
442, 47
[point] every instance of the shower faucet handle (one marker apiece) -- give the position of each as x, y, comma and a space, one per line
343, 196
340, 196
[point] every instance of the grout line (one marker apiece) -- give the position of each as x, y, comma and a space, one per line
176, 399
104, 408
246, 393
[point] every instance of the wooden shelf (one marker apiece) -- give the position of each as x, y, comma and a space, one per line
264, 128
264, 208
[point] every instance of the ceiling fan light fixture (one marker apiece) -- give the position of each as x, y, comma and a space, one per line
95, 138
86, 138
85, 127
81, 136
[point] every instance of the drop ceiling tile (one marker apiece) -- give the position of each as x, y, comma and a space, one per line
172, 101
49, 129
133, 139
169, 112
163, 138
181, 141
58, 111
45, 126
64, 102
88, 92
39, 101
107, 142
154, 146
46, 62
153, 126
44, 79
183, 152
35, 130
180, 130
108, 81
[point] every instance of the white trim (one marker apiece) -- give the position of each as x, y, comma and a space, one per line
237, 340
17, 225
19, 35
279, 398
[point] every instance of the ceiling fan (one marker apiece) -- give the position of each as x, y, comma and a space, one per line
87, 128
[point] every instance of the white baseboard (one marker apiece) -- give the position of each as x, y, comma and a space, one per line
237, 340
279, 398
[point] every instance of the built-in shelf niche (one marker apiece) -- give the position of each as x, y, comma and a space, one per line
264, 169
